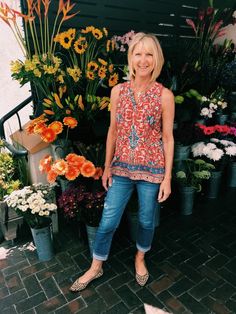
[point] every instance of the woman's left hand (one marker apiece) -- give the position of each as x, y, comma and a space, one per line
165, 190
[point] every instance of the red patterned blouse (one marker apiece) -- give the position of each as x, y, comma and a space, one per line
139, 149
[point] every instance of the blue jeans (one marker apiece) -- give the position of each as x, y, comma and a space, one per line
116, 200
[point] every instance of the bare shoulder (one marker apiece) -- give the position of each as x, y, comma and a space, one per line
115, 91
167, 95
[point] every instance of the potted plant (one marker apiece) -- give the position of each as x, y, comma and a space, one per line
189, 180
36, 204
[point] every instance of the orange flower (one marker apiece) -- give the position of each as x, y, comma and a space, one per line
45, 164
72, 173
57, 126
98, 173
48, 135
39, 127
49, 112
75, 160
113, 80
30, 128
51, 176
60, 166
70, 122
88, 169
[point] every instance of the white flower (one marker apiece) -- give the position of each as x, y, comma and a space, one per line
230, 150
204, 112
234, 14
214, 140
204, 98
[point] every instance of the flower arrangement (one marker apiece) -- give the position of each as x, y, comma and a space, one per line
215, 150
34, 203
215, 104
70, 167
217, 130
82, 204
193, 172
122, 42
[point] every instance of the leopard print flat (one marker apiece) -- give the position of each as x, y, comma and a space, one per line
142, 280
79, 286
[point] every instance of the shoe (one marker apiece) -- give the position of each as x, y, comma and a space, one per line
142, 280
79, 286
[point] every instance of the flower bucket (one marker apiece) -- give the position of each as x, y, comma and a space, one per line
232, 175
214, 182
187, 194
182, 152
43, 241
91, 233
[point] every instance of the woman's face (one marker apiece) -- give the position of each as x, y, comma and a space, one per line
142, 61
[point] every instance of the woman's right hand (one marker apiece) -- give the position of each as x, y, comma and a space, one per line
106, 178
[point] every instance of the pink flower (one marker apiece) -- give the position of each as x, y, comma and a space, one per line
191, 23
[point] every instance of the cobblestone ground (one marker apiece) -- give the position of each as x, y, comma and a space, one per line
192, 268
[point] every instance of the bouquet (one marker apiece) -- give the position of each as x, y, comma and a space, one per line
70, 167
34, 203
215, 104
82, 204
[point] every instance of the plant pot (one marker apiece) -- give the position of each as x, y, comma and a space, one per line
187, 194
43, 241
231, 175
60, 148
91, 233
213, 184
182, 152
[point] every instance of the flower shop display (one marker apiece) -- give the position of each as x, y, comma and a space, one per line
36, 204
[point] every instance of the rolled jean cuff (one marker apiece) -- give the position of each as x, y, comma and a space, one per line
141, 249
99, 257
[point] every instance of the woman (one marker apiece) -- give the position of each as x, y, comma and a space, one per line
139, 153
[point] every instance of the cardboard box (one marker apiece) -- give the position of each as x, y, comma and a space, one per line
31, 142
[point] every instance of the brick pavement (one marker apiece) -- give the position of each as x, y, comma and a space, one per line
192, 268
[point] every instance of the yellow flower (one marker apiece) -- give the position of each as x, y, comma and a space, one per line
111, 68
29, 65
113, 80
74, 73
102, 72
108, 45
80, 45
65, 38
88, 29
97, 33
37, 73
90, 75
92, 66
62, 90
16, 66
49, 69
60, 78
113, 44
103, 62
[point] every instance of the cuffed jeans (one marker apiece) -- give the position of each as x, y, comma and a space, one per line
116, 200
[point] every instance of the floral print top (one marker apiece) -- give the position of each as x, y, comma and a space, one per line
139, 149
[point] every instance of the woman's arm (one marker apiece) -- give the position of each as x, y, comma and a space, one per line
168, 107
111, 137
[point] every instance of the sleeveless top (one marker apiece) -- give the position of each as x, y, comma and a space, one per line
139, 149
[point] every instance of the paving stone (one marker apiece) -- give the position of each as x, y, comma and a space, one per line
181, 286
161, 255
224, 292
217, 262
154, 270
2, 280
108, 294
170, 270
129, 298
14, 282
4, 292
197, 260
180, 257
31, 270
120, 280
72, 307
231, 266
32, 285
81, 261
12, 299
159, 285
9, 310
65, 259
116, 265
27, 304
17, 267
51, 304
171, 303
50, 287
147, 297
191, 304
65, 274
211, 274
202, 289
231, 305
228, 276
215, 306
98, 306
89, 295
190, 272
48, 272
118, 308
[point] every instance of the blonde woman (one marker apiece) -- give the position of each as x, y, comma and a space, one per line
139, 154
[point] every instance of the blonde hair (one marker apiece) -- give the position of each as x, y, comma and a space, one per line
152, 44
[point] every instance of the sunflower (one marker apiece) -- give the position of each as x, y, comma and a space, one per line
92, 66
113, 80
80, 45
111, 68
75, 73
90, 75
103, 62
65, 38
102, 72
88, 29
97, 33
